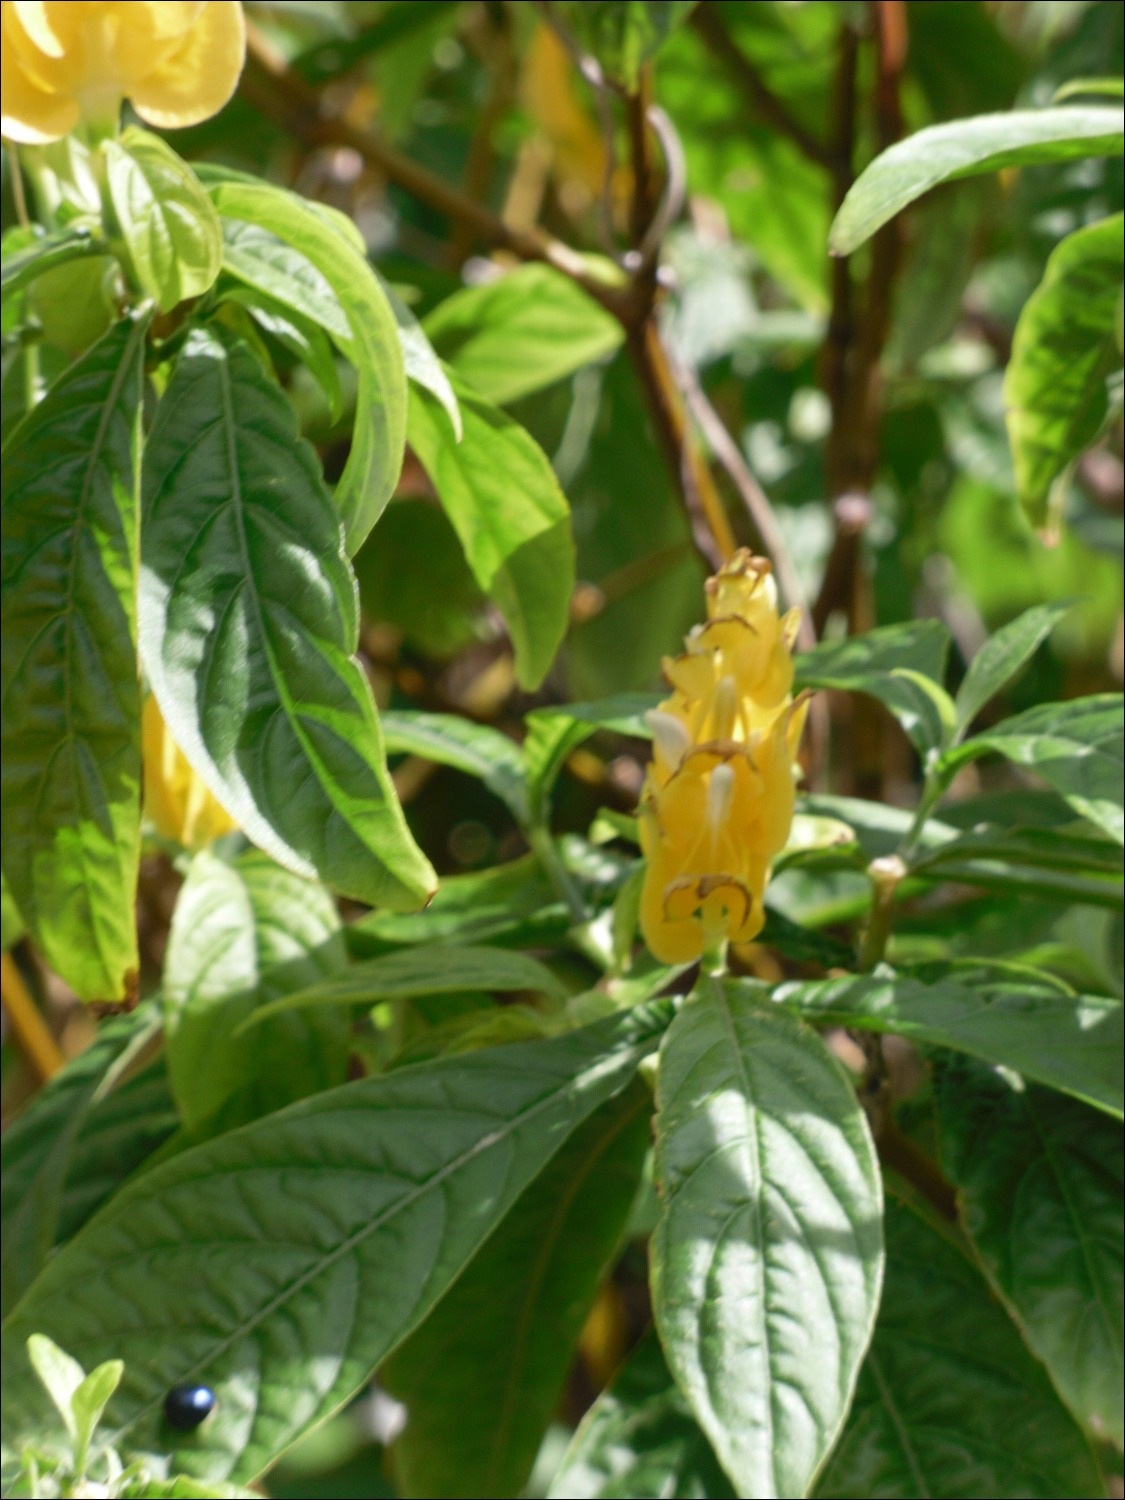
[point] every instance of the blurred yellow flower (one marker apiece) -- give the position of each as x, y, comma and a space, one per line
718, 799
177, 801
62, 61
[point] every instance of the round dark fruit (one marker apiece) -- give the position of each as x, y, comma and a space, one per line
187, 1406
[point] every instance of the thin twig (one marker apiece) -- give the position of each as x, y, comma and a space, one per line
675, 187
15, 175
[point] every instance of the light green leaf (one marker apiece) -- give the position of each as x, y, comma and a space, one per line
1002, 656
255, 256
624, 713
949, 1401
243, 934
1064, 347
769, 1243
965, 148
902, 665
473, 748
319, 1238
21, 266
481, 1378
40, 1146
248, 625
624, 34
61, 1375
1039, 1184
1076, 746
422, 971
71, 731
171, 233
304, 339
1071, 1042
504, 501
371, 341
89, 1402
422, 363
521, 332
10, 919
640, 1439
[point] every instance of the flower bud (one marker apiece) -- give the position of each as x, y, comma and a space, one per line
718, 797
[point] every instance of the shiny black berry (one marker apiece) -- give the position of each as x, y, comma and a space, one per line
188, 1405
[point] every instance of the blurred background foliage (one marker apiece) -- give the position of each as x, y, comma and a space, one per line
865, 396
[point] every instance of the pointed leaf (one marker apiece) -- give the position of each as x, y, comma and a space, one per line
482, 1376
1039, 1183
1002, 656
965, 148
949, 1401
280, 1263
420, 358
89, 1402
24, 264
61, 1375
72, 708
248, 625
473, 748
769, 1244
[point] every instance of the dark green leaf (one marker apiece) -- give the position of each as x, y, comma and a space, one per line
242, 935
1077, 746
72, 709
639, 1439
769, 1242
482, 1376
249, 625
23, 265
526, 330
1039, 1183
949, 1401
501, 494
1071, 1042
306, 1246
1064, 347
10, 919
902, 665
473, 748
1053, 863
173, 242
1002, 656
370, 340
964, 148
39, 1147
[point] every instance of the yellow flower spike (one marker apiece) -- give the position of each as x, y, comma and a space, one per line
178, 802
718, 798
65, 61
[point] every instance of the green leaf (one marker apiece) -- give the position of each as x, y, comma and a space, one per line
248, 625
304, 339
256, 257
482, 1376
1064, 347
1039, 1184
420, 359
902, 665
624, 34
521, 332
22, 265
40, 1146
949, 1401
624, 713
1054, 863
371, 340
1076, 746
10, 919
89, 1402
243, 934
61, 1375
1002, 656
504, 501
71, 732
965, 148
769, 1243
306, 1246
422, 971
473, 748
550, 739
640, 1439
173, 243
1071, 1042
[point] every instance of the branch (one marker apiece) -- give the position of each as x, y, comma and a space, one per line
709, 24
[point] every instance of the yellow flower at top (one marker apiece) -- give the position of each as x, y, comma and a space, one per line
66, 61
718, 798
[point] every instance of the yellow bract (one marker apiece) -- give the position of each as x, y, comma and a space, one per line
718, 799
63, 61
176, 800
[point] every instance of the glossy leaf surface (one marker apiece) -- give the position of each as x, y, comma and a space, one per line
306, 1246
769, 1242
1039, 1183
482, 1376
949, 1400
248, 625
1002, 656
72, 708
